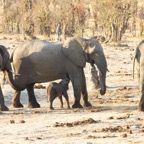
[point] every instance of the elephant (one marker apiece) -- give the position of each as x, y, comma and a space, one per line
4, 66
58, 90
139, 61
40, 61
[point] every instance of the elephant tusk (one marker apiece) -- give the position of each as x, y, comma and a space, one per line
14, 73
100, 72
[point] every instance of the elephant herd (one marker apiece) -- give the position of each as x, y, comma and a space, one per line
40, 61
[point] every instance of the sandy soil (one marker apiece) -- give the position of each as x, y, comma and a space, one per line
114, 117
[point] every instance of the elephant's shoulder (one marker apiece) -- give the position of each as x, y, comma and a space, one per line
71, 42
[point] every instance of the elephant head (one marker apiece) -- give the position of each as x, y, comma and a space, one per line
5, 65
4, 59
82, 50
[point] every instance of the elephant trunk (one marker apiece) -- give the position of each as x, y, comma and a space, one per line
102, 67
9, 75
102, 85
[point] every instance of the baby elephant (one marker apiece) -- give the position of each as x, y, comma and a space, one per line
57, 90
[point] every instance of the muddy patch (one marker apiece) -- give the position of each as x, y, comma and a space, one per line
76, 123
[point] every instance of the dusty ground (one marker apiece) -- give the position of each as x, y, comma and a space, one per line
114, 117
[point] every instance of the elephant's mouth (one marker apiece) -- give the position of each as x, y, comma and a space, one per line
92, 63
2, 68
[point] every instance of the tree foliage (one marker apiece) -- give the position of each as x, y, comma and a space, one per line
113, 17
110, 17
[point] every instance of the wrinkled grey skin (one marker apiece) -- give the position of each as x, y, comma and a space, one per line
3, 81
58, 90
139, 60
40, 61
4, 66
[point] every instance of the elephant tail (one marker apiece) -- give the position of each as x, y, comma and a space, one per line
11, 60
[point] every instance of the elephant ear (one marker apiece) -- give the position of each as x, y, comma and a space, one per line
74, 51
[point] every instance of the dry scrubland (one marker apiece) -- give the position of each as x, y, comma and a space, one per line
114, 117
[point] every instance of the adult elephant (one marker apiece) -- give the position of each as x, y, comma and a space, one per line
41, 61
139, 59
4, 66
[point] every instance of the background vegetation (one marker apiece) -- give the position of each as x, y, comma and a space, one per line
111, 18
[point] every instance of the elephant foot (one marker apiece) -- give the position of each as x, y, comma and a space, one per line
141, 108
17, 105
69, 107
34, 105
51, 108
77, 105
4, 108
87, 104
102, 92
61, 106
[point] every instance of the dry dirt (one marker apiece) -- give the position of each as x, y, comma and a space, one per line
114, 117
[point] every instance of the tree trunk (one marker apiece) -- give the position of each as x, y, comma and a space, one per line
141, 27
63, 32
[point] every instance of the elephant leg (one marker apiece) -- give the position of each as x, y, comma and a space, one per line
141, 102
141, 84
137, 65
16, 100
75, 74
77, 95
2, 102
51, 105
61, 101
85, 93
32, 99
67, 99
52, 96
77, 87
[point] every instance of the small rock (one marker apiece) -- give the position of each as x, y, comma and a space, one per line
138, 118
22, 121
129, 131
124, 135
111, 117
39, 138
26, 138
141, 130
12, 121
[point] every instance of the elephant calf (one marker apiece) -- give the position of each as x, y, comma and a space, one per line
57, 90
